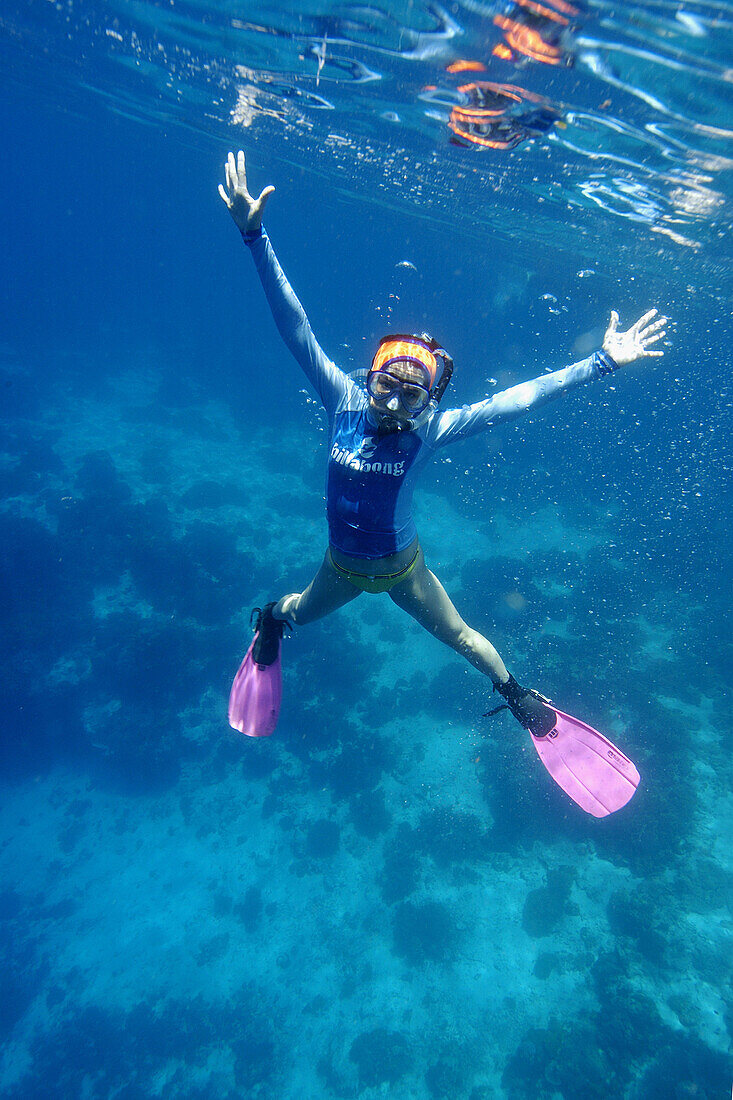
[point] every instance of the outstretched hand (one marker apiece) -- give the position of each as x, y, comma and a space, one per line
245, 210
626, 347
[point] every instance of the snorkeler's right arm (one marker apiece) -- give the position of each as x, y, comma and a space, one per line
329, 382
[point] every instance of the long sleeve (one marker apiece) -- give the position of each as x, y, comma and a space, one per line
455, 424
328, 381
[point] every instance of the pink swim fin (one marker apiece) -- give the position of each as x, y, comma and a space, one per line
254, 701
588, 767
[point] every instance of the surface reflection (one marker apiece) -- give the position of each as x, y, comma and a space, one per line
614, 107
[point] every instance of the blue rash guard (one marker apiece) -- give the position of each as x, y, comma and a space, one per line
371, 477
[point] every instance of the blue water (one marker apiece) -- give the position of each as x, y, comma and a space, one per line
389, 897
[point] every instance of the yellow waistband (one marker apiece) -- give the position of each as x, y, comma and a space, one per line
382, 582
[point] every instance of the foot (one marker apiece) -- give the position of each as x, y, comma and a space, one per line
269, 632
528, 707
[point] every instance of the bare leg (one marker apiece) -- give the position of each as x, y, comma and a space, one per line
423, 596
325, 593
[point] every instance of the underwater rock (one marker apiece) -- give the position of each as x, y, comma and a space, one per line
369, 814
631, 1024
545, 964
98, 480
400, 873
643, 918
686, 1069
124, 1053
213, 494
322, 840
546, 906
560, 1060
447, 1078
423, 932
381, 1056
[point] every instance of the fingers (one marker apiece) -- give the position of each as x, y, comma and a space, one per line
224, 196
651, 334
230, 180
236, 178
231, 172
644, 342
264, 196
656, 327
613, 323
644, 320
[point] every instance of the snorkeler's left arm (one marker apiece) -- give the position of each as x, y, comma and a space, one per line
619, 349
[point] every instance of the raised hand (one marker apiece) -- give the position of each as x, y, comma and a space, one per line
244, 209
626, 347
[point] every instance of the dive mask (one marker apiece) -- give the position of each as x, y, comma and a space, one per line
422, 352
383, 385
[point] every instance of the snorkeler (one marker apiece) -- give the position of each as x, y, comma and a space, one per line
381, 437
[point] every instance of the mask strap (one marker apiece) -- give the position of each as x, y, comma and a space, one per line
440, 386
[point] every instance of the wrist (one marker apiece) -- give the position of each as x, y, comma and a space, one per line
605, 363
251, 233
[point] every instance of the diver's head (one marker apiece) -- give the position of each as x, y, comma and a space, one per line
399, 393
402, 380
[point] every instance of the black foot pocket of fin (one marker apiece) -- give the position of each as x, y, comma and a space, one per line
528, 707
269, 633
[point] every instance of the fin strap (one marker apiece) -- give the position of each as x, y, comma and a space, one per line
532, 710
258, 611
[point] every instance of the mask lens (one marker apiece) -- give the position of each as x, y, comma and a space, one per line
382, 385
413, 398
